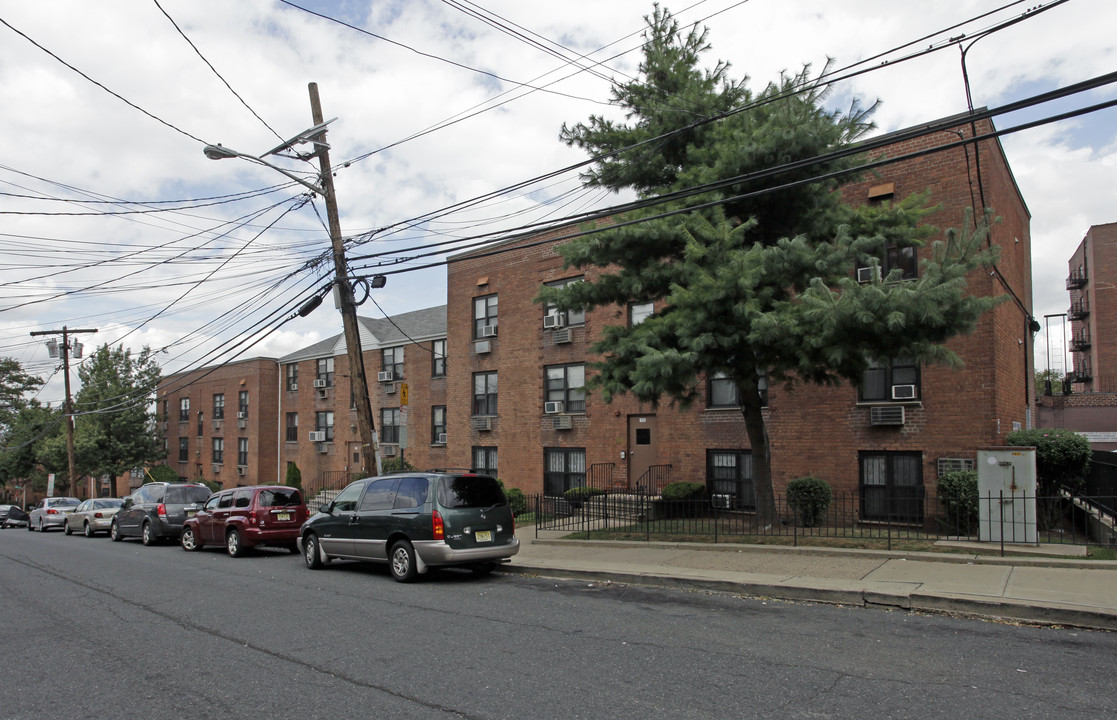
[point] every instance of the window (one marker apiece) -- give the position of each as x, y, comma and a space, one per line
729, 472
292, 427
324, 422
325, 371
389, 425
201, 422
166, 410
484, 315
564, 468
380, 495
484, 460
291, 376
183, 449
892, 486
484, 393
721, 392
219, 406
412, 493
438, 358
569, 317
218, 450
639, 312
346, 501
438, 423
242, 451
242, 403
566, 384
184, 410
896, 379
391, 360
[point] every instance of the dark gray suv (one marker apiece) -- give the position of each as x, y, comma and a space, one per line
415, 521
157, 510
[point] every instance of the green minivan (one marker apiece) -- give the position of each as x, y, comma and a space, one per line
414, 521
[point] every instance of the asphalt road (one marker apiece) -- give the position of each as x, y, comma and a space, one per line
96, 629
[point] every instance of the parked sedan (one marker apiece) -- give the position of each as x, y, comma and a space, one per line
51, 512
12, 516
415, 521
92, 516
246, 517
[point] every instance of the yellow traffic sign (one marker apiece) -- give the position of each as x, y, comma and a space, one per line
403, 394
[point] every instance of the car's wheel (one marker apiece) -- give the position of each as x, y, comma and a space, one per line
482, 569
41, 525
401, 560
87, 530
312, 553
29, 528
234, 543
114, 532
188, 541
66, 527
147, 535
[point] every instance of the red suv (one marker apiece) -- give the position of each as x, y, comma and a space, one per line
245, 517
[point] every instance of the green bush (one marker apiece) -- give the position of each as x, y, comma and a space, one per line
1062, 458
161, 473
683, 491
809, 498
576, 496
959, 501
395, 464
294, 476
516, 500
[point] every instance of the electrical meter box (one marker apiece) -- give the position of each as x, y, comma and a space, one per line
1006, 488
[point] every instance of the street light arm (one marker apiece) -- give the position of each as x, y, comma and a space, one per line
220, 152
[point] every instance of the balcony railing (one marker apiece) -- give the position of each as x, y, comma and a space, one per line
1079, 309
1077, 278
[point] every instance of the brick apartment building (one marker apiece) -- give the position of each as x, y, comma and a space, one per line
496, 381
243, 423
517, 389
1091, 408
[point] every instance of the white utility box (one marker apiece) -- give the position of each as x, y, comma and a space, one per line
1006, 488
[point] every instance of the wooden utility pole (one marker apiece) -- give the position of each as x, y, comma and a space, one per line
64, 350
365, 425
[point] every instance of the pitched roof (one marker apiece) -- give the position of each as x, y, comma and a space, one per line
375, 333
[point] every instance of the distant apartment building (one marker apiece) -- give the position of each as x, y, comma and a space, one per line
1091, 407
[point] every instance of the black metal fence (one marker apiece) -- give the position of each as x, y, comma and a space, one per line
324, 488
1065, 519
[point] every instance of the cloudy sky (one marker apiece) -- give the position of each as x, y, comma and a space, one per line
112, 218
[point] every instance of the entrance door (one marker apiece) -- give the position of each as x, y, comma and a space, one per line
353, 459
642, 453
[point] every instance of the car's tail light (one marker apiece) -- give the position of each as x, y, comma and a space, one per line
437, 526
51, 511
161, 511
98, 515
252, 516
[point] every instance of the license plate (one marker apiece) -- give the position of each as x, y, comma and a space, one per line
283, 516
484, 536
191, 513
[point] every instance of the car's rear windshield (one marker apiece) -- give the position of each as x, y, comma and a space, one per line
469, 491
180, 495
280, 497
65, 502
107, 503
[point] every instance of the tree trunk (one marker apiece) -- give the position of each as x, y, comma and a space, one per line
751, 409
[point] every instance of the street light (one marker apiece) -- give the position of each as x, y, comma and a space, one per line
220, 152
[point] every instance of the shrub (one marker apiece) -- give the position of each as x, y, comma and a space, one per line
294, 476
683, 491
809, 498
958, 497
576, 496
161, 473
516, 501
396, 464
1062, 458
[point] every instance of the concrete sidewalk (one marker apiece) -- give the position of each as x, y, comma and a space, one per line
1044, 589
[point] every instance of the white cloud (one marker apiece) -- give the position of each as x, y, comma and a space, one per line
62, 128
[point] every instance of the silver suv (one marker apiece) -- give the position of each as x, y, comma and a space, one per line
415, 521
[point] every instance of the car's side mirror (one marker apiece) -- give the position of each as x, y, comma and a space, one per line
126, 504
328, 509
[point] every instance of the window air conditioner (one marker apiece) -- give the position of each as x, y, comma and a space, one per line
488, 331
552, 407
866, 274
241, 470
242, 415
323, 448
722, 501
390, 388
552, 322
886, 415
562, 422
317, 436
293, 388
481, 423
903, 392
441, 438
390, 450
561, 337
320, 383
385, 376
482, 346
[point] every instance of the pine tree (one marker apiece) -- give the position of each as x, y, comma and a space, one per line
757, 286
